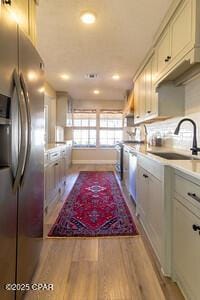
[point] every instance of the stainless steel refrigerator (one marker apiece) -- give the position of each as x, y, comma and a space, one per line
21, 156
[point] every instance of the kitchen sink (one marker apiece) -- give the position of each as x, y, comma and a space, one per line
173, 156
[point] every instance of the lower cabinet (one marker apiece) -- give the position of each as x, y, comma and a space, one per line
56, 166
186, 242
150, 207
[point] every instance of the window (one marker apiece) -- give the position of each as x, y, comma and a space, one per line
84, 128
111, 124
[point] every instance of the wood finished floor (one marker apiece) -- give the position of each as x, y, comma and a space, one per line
116, 268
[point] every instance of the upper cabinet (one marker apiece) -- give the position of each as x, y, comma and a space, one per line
145, 97
24, 12
163, 53
176, 49
152, 103
178, 46
129, 106
63, 109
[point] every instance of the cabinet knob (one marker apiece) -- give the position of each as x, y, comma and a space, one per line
148, 111
167, 58
7, 2
145, 176
195, 227
194, 196
137, 117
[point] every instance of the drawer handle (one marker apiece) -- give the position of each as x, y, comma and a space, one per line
149, 111
56, 164
137, 117
168, 58
196, 227
193, 196
145, 176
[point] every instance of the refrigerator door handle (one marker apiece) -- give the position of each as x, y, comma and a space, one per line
28, 113
23, 132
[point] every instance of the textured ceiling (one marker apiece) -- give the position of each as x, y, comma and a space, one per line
116, 43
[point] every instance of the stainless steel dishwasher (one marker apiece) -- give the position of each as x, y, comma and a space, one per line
132, 174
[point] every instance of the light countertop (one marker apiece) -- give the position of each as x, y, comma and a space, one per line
190, 167
54, 146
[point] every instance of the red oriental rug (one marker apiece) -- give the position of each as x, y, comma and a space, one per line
94, 207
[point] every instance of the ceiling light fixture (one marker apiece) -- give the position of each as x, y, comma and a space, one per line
116, 77
88, 18
64, 76
96, 92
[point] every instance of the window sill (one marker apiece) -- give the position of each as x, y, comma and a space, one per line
93, 148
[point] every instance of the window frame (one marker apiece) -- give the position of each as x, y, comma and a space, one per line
110, 128
88, 128
98, 128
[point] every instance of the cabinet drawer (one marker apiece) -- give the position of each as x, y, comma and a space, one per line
63, 152
188, 190
151, 166
54, 155
186, 249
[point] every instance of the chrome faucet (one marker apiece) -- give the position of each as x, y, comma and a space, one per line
194, 148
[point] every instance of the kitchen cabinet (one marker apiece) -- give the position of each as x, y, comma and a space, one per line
142, 193
129, 106
186, 237
132, 174
145, 94
24, 11
161, 103
57, 161
179, 41
64, 109
163, 53
150, 203
137, 100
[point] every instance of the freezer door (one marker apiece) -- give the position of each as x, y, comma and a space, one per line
8, 199
8, 220
31, 192
8, 51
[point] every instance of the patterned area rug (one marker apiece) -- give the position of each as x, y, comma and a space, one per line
94, 207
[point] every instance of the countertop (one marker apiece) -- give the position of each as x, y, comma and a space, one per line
54, 146
190, 167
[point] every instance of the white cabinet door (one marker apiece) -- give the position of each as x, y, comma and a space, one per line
181, 31
155, 214
148, 88
163, 52
154, 94
139, 98
142, 187
186, 249
142, 95
136, 101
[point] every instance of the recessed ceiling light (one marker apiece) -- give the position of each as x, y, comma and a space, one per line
64, 76
91, 76
96, 92
88, 18
32, 76
116, 77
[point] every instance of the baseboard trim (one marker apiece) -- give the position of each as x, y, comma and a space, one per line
94, 162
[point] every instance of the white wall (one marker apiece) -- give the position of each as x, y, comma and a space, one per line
50, 102
192, 110
94, 155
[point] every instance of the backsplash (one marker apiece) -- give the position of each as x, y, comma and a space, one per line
192, 110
